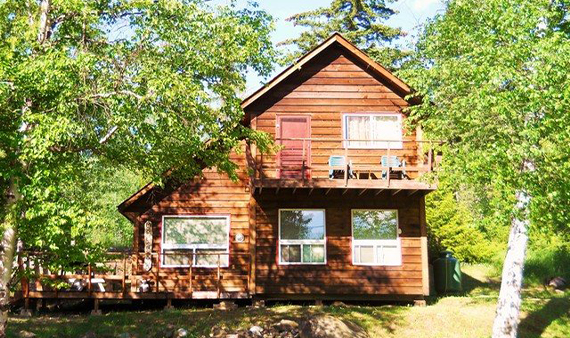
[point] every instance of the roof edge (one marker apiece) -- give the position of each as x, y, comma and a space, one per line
338, 38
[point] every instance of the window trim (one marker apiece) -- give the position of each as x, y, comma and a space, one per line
194, 247
301, 242
398, 144
375, 242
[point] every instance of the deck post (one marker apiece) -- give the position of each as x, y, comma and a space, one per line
89, 283
190, 263
96, 311
168, 303
124, 278
218, 286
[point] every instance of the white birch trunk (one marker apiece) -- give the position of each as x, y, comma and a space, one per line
509, 303
7, 259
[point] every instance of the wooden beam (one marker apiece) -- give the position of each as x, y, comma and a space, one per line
424, 247
344, 191
362, 192
412, 192
327, 192
378, 192
396, 192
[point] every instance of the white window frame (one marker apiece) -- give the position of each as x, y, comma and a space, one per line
302, 242
375, 243
394, 144
193, 247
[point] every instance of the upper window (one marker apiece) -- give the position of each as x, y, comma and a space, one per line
204, 239
375, 239
373, 130
302, 236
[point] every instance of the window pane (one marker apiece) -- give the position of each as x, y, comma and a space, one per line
206, 257
358, 128
313, 253
375, 224
195, 230
176, 257
388, 254
317, 253
365, 254
302, 224
291, 253
387, 127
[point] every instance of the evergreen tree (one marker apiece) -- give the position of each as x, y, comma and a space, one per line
360, 21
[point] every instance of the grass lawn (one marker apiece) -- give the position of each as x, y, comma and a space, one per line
467, 315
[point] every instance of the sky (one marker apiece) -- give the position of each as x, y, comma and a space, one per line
411, 15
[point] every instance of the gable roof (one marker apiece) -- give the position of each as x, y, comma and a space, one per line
335, 39
150, 192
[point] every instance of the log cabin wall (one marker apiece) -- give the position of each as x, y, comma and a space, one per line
212, 194
329, 86
339, 277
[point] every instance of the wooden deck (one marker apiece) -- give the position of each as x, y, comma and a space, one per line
114, 280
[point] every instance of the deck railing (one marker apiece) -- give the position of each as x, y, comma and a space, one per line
122, 275
308, 159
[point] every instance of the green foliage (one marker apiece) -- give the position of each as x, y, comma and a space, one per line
107, 187
546, 262
452, 226
143, 85
494, 77
360, 21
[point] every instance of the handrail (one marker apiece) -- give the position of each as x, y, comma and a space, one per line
308, 160
89, 277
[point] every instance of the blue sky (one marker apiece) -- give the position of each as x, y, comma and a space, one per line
411, 15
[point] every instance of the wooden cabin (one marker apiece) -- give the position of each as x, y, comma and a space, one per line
337, 213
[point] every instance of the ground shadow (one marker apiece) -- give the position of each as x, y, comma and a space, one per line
536, 322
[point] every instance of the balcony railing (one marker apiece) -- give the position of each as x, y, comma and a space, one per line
345, 162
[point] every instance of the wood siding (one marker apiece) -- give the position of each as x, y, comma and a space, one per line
338, 276
212, 194
331, 85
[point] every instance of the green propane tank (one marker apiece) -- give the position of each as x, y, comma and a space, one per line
447, 273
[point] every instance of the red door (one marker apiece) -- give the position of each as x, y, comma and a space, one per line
295, 155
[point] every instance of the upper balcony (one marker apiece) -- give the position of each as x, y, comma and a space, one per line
329, 163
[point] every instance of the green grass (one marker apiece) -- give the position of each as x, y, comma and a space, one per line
467, 315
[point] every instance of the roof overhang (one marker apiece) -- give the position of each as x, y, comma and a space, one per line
334, 39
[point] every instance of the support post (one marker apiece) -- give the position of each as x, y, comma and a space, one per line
124, 279
89, 282
96, 311
190, 263
168, 303
219, 275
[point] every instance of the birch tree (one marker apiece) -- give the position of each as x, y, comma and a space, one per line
495, 81
148, 84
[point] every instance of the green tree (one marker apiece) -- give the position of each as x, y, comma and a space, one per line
495, 79
151, 85
360, 21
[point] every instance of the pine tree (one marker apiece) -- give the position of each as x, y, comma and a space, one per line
360, 21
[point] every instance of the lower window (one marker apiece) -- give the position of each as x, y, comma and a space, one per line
200, 240
375, 239
302, 236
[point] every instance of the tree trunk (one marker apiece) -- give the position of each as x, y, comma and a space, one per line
7, 259
508, 306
